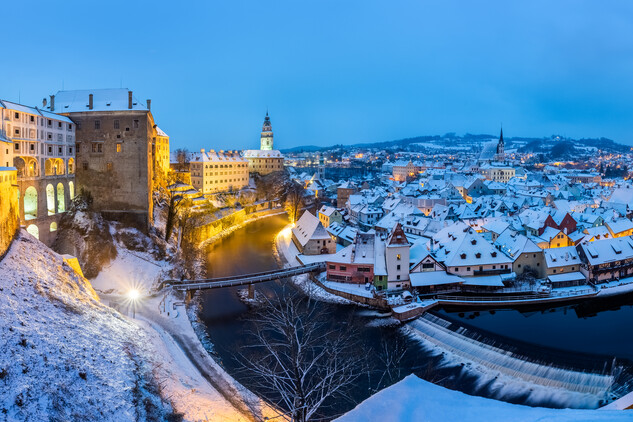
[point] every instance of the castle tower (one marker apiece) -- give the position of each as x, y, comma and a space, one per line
267, 135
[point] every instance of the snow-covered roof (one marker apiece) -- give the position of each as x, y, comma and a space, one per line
217, 156
160, 132
309, 227
262, 153
76, 101
561, 257
485, 280
433, 278
573, 276
608, 250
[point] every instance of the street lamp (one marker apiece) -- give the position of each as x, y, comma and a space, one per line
134, 295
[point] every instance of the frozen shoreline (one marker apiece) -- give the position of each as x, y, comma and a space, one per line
197, 385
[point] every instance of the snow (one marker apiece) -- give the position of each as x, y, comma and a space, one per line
287, 252
200, 389
65, 354
414, 399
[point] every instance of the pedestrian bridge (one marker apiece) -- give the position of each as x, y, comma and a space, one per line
241, 280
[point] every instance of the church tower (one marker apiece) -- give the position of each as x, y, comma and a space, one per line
267, 135
500, 148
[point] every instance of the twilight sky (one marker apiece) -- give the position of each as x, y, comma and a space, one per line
333, 71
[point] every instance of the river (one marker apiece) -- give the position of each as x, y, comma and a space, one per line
558, 335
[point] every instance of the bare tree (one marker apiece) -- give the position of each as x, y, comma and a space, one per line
182, 158
300, 360
295, 197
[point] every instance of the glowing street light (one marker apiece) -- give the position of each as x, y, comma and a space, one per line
134, 296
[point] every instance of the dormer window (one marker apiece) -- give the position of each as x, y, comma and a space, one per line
494, 254
478, 255
463, 256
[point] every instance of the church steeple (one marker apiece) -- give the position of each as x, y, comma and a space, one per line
500, 147
267, 134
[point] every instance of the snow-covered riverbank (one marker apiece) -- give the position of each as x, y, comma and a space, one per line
197, 386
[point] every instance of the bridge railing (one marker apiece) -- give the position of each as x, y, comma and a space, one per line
243, 279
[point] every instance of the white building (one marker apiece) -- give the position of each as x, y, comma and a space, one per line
43, 152
221, 171
266, 159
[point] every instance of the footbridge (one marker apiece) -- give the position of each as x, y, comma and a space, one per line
242, 280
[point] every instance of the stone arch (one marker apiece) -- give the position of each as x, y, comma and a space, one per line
71, 166
27, 166
50, 199
53, 166
53, 227
30, 203
71, 190
34, 231
20, 164
61, 200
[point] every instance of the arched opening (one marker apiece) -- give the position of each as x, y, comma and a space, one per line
59, 167
50, 199
71, 190
61, 202
71, 166
32, 169
20, 164
53, 226
33, 231
30, 203
49, 167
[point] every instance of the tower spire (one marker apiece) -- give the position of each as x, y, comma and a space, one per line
267, 134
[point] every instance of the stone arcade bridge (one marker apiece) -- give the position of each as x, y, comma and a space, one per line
242, 280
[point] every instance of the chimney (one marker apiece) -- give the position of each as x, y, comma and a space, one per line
52, 103
202, 150
129, 100
90, 101
149, 105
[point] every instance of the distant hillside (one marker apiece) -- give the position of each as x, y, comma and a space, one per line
556, 146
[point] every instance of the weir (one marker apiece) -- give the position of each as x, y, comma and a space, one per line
438, 332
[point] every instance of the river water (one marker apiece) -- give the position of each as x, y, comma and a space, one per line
583, 337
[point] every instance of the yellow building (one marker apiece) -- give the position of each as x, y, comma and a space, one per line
161, 151
266, 159
218, 171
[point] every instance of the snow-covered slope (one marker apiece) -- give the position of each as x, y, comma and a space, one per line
414, 399
63, 354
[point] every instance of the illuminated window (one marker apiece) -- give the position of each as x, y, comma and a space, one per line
118, 147
398, 257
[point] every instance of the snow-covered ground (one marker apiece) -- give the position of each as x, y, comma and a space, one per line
414, 399
64, 355
197, 386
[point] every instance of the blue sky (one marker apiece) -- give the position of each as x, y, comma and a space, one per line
336, 71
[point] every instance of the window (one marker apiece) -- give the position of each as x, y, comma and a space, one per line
97, 124
17, 146
59, 124
94, 147
332, 267
59, 150
32, 119
135, 124
398, 257
467, 268
50, 149
108, 166
398, 278
70, 127
398, 267
118, 147
116, 124
85, 165
99, 147
49, 123
17, 115
343, 268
